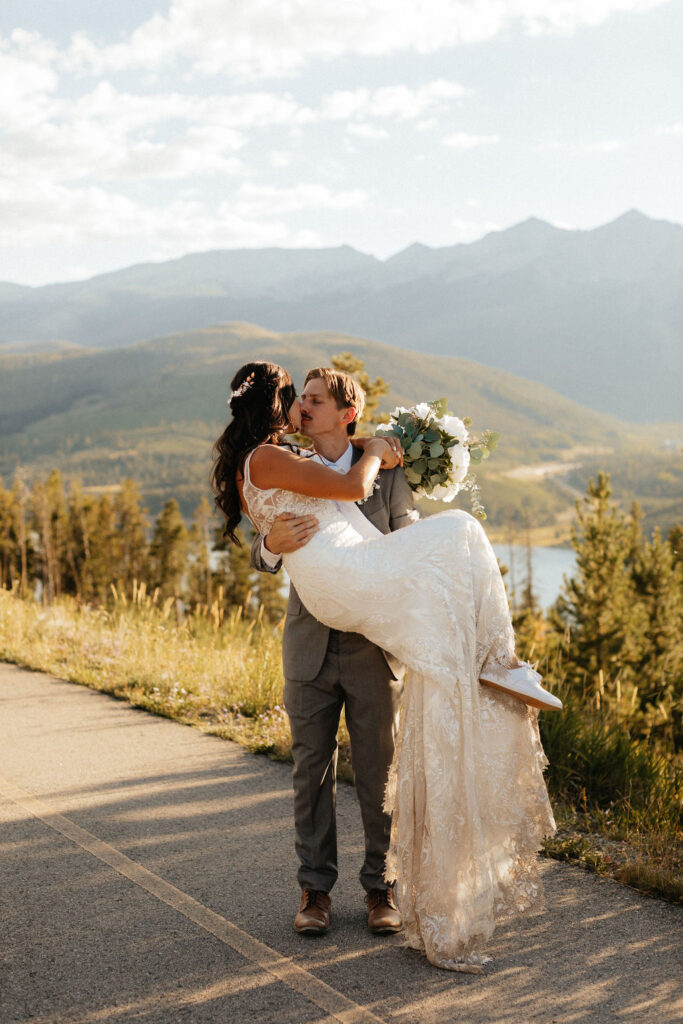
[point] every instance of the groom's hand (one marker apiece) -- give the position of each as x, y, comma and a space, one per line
289, 533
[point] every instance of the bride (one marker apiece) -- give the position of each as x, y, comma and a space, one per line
466, 792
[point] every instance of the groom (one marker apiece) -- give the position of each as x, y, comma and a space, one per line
326, 670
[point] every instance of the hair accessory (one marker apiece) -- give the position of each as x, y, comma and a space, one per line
243, 388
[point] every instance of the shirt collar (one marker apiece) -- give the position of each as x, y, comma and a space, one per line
343, 463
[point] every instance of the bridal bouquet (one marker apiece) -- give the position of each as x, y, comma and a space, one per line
438, 451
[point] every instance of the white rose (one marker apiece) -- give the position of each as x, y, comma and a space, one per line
455, 427
460, 459
444, 492
422, 411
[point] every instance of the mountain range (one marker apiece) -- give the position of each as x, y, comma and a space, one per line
152, 410
595, 315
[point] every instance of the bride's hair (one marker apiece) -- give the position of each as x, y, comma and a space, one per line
262, 395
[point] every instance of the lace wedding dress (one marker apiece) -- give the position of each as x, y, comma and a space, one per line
466, 792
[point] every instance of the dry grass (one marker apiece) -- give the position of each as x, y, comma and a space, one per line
225, 677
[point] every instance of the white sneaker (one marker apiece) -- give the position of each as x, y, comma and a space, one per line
521, 682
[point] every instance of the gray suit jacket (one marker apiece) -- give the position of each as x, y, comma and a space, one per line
304, 640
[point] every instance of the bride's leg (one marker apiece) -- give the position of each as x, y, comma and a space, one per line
502, 669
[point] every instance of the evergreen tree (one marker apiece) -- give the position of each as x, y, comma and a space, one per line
7, 539
606, 624
102, 549
49, 520
168, 551
25, 555
675, 542
80, 525
132, 546
233, 575
658, 586
200, 583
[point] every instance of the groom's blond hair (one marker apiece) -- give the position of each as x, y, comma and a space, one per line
347, 392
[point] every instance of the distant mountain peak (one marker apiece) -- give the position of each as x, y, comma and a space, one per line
532, 226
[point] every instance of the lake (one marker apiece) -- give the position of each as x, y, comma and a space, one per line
548, 566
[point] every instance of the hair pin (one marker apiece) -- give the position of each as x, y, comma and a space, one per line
243, 388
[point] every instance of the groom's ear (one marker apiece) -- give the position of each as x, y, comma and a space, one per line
349, 415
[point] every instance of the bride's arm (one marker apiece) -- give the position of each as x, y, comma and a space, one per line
272, 466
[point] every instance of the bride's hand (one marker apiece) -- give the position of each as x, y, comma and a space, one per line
388, 449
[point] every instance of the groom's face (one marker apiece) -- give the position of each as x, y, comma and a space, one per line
320, 413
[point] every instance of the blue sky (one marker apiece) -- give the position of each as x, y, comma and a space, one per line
146, 129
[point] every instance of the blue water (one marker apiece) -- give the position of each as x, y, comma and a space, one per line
548, 566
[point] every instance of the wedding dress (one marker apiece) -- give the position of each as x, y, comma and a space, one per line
466, 791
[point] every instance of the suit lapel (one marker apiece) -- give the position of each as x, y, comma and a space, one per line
370, 504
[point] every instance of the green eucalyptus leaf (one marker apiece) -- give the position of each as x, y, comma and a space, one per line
436, 449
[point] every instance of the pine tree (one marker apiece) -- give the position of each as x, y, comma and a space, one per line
7, 540
80, 524
658, 583
102, 549
675, 542
233, 575
132, 547
200, 583
606, 624
168, 551
49, 519
25, 558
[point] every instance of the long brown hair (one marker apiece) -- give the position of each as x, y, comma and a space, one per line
262, 395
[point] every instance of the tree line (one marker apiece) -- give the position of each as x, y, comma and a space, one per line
614, 637
58, 540
613, 640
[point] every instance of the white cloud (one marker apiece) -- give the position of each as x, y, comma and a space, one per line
463, 140
278, 159
267, 200
27, 78
604, 146
670, 129
108, 135
393, 102
268, 37
580, 146
49, 214
363, 130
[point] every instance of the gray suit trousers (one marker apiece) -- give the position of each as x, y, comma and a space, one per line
354, 675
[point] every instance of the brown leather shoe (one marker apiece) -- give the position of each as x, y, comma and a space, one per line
384, 917
314, 913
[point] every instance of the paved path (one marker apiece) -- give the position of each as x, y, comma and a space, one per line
147, 874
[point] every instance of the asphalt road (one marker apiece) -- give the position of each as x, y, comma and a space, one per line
147, 874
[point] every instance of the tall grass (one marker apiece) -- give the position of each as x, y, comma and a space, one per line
202, 668
224, 675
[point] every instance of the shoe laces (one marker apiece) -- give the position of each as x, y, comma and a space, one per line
381, 897
311, 897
